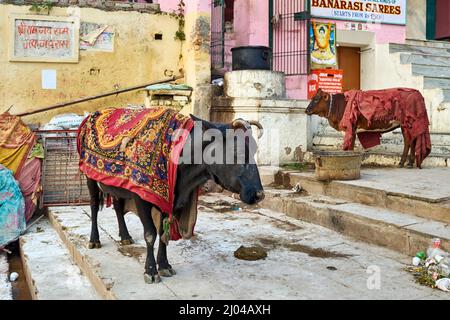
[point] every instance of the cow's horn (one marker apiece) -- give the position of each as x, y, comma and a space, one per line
240, 123
259, 126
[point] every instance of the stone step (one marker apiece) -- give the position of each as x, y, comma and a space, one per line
428, 43
423, 59
50, 272
331, 138
387, 147
426, 193
446, 95
431, 71
436, 83
394, 48
5, 285
391, 144
392, 159
397, 231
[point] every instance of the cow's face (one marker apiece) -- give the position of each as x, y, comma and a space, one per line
319, 104
233, 167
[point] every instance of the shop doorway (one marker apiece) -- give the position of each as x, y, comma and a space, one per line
349, 60
438, 20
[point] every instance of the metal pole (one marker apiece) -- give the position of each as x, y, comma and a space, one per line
106, 94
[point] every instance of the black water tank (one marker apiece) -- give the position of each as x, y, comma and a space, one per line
251, 58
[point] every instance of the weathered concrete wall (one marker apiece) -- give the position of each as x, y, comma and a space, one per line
196, 56
416, 20
284, 121
108, 5
137, 59
262, 84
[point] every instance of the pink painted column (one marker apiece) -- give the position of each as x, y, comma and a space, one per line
251, 20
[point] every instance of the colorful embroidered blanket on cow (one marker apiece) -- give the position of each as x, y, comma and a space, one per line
135, 149
16, 141
404, 105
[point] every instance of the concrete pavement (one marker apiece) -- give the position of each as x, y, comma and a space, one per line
304, 261
5, 285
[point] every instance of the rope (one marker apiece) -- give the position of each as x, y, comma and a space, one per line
330, 105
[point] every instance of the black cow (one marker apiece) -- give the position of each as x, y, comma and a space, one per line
238, 178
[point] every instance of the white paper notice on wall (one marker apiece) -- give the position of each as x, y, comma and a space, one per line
48, 79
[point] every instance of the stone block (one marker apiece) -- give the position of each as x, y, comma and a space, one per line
285, 125
180, 98
110, 4
262, 84
123, 5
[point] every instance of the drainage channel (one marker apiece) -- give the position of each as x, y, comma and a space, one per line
20, 289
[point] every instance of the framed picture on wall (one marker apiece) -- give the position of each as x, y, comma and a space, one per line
323, 45
36, 38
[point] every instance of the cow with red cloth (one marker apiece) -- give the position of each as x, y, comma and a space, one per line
368, 114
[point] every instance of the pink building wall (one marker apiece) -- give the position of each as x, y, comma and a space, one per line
384, 33
251, 22
296, 86
251, 28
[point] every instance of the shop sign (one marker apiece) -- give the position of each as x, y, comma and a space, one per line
329, 80
375, 11
43, 38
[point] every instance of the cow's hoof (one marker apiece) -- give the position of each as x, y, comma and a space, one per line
410, 166
94, 245
166, 272
152, 279
401, 165
126, 242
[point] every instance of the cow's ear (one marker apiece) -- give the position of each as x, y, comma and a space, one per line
326, 97
205, 124
194, 117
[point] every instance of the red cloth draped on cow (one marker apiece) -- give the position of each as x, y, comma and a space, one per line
404, 105
135, 149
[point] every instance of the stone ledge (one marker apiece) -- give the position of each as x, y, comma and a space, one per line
396, 231
400, 200
259, 103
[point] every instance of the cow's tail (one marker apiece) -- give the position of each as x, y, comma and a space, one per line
104, 197
101, 199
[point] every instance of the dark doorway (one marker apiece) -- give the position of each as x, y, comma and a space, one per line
442, 20
438, 19
229, 10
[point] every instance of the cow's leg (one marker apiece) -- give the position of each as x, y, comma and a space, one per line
412, 154
119, 208
144, 210
405, 150
164, 268
94, 192
352, 146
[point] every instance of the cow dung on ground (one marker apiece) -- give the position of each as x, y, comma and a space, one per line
250, 253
